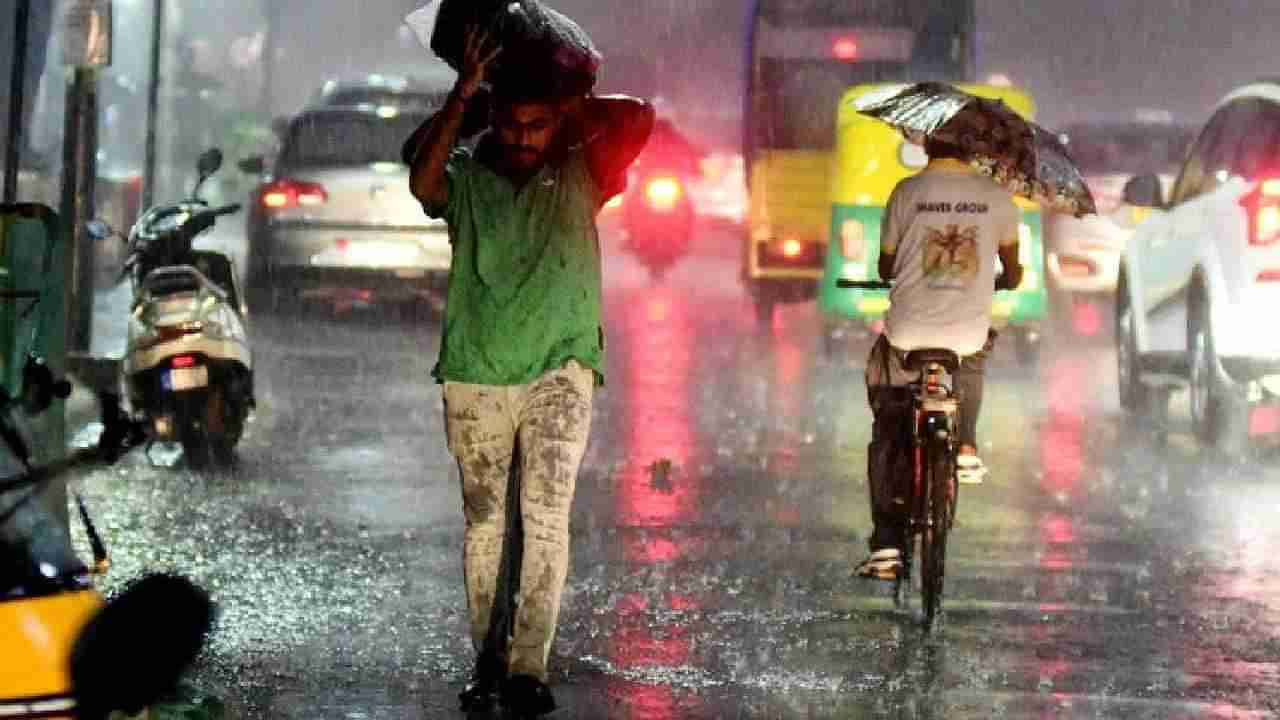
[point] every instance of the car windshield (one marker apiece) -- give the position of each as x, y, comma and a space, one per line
1128, 151
347, 139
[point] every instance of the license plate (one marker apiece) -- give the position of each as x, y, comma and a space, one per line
179, 379
411, 274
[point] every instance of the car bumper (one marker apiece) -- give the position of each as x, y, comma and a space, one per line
335, 249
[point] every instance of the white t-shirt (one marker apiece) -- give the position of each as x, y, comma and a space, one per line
945, 225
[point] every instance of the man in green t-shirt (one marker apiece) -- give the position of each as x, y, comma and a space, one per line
523, 345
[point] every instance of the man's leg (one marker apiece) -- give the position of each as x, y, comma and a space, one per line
554, 424
888, 454
481, 431
969, 381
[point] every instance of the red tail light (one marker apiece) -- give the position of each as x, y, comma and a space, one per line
845, 48
1263, 206
184, 361
663, 193
288, 194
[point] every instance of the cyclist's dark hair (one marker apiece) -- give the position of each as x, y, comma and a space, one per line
942, 150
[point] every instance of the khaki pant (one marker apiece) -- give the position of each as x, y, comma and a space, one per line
551, 417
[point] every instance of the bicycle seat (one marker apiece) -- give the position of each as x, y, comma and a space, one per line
918, 360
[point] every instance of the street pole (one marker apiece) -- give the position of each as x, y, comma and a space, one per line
79, 178
17, 99
266, 100
153, 104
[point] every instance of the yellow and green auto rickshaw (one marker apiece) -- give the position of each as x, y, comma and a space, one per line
869, 161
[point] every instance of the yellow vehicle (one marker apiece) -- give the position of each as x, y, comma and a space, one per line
871, 158
802, 57
64, 652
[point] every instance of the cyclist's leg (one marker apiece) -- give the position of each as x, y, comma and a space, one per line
970, 380
889, 459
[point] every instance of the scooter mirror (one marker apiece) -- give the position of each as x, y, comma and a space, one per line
133, 652
255, 165
210, 162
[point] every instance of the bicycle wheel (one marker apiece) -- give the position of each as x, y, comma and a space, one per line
902, 586
939, 500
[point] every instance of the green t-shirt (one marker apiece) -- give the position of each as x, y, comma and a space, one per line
525, 285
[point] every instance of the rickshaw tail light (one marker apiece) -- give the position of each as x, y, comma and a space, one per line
792, 248
853, 241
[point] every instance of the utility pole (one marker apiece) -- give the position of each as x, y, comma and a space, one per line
153, 104
272, 10
17, 99
86, 31
79, 180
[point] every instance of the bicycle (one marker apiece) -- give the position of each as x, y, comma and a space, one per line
934, 487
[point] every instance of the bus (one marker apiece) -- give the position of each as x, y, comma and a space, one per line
803, 55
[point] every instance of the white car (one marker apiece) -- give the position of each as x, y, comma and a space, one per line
1199, 285
334, 216
1082, 255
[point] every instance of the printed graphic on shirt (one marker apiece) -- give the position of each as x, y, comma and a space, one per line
951, 257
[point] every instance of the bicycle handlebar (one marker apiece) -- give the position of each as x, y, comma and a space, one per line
888, 284
864, 284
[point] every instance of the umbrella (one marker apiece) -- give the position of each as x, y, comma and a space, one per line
1013, 151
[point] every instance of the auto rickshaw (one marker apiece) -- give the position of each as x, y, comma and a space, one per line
870, 159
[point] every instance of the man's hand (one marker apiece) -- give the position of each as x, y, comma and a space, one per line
1011, 278
614, 130
477, 56
427, 151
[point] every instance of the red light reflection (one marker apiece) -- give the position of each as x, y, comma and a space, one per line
657, 491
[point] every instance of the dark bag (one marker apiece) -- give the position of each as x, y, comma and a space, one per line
544, 53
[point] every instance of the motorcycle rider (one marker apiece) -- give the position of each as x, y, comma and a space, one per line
942, 230
523, 346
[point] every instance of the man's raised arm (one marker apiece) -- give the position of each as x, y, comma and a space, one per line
615, 129
427, 151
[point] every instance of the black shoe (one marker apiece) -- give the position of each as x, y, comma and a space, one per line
527, 696
482, 688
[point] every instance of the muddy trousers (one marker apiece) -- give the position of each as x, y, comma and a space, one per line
549, 419
890, 456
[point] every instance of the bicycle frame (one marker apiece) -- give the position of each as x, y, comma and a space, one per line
937, 412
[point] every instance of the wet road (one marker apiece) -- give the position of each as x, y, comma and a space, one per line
1102, 571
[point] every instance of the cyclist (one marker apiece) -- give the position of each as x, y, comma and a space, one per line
942, 230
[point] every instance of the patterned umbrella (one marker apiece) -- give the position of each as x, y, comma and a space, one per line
1015, 152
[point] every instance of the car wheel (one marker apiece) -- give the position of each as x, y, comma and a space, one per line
1133, 393
1218, 418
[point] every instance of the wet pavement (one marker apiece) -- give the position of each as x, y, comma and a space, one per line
1104, 570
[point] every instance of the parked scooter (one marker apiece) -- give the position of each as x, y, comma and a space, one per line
187, 374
